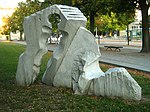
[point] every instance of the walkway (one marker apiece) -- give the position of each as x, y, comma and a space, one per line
128, 57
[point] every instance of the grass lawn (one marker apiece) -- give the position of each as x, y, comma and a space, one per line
42, 98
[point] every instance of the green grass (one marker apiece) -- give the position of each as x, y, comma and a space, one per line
41, 98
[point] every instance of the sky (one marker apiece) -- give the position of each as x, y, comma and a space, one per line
9, 3
7, 8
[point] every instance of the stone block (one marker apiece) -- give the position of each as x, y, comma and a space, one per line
118, 82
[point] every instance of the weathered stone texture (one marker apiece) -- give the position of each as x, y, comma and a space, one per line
75, 61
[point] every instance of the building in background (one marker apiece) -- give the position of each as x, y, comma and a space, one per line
7, 7
135, 28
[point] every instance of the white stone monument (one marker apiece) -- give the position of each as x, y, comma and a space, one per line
37, 29
75, 61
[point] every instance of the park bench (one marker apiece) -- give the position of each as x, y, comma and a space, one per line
117, 48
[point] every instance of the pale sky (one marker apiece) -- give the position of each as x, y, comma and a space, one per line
9, 3
7, 8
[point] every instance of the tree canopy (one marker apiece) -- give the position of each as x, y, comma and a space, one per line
5, 29
92, 9
130, 6
15, 22
109, 14
113, 21
24, 9
121, 7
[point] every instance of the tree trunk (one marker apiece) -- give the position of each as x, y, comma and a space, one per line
21, 35
128, 39
92, 21
145, 27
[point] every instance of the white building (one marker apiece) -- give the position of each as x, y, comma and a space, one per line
134, 27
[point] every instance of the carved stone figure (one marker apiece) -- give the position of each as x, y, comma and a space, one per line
75, 61
37, 29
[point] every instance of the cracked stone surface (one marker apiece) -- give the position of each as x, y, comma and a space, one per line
116, 82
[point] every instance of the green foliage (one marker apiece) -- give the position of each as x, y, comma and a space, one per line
62, 2
54, 20
24, 9
42, 98
118, 13
108, 23
113, 21
123, 6
5, 29
15, 22
103, 10
108, 14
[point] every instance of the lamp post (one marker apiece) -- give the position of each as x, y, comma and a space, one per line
96, 33
128, 39
97, 37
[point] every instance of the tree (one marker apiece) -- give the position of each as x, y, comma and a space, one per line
93, 8
63, 2
97, 8
113, 21
90, 8
15, 22
24, 9
128, 7
54, 20
144, 6
5, 29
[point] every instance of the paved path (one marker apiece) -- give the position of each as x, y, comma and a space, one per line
51, 47
128, 57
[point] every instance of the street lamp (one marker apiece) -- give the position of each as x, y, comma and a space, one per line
97, 37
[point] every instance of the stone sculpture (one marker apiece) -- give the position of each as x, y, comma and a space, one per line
75, 61
116, 82
37, 29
